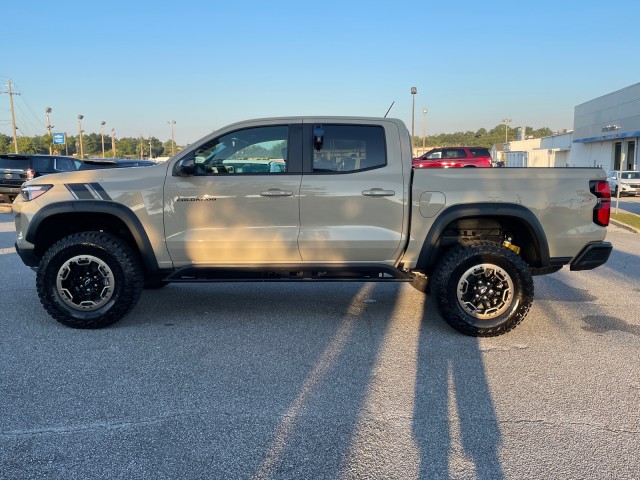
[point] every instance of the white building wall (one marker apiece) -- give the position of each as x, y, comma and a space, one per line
561, 141
602, 123
591, 155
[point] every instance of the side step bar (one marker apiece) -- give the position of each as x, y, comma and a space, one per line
280, 273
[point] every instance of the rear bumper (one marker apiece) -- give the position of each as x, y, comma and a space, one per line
4, 189
592, 256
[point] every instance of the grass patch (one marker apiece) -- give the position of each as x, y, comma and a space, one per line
627, 218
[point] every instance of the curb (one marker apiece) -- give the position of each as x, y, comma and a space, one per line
624, 225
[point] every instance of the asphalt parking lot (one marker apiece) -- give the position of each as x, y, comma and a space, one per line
331, 380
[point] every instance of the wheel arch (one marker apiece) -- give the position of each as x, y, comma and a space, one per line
511, 218
55, 221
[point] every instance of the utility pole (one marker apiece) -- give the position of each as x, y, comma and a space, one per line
113, 142
13, 117
141, 148
49, 127
150, 153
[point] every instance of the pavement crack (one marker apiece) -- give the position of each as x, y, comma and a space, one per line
92, 426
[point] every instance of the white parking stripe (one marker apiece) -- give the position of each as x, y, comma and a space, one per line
7, 250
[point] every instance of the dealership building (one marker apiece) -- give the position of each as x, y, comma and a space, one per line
606, 131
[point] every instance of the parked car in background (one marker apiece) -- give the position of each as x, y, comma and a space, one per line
452, 157
96, 163
629, 182
17, 168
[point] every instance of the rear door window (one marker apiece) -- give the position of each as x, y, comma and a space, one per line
42, 165
454, 153
348, 148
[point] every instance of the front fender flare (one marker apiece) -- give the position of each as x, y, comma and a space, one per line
118, 210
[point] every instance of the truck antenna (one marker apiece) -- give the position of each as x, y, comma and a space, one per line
385, 115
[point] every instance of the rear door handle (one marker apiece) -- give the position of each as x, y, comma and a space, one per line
378, 192
276, 192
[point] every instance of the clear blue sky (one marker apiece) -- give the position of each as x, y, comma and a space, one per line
138, 64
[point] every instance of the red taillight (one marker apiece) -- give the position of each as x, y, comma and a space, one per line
30, 174
602, 210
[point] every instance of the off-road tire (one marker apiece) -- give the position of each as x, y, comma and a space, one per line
95, 266
477, 270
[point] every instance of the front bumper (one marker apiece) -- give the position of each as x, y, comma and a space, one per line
27, 256
592, 256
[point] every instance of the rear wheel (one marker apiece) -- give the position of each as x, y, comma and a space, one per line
89, 280
482, 288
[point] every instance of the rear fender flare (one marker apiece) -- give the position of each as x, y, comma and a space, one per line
428, 253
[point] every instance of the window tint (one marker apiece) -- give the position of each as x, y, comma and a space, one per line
253, 150
479, 152
64, 164
454, 153
14, 163
435, 155
347, 148
41, 164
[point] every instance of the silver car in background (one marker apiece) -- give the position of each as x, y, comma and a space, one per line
629, 181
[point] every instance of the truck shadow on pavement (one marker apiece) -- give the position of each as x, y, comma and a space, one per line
455, 421
356, 384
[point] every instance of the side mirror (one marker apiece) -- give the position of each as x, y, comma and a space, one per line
185, 167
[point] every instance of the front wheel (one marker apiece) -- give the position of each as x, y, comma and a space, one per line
89, 280
483, 289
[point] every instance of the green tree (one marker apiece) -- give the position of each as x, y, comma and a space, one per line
6, 143
157, 149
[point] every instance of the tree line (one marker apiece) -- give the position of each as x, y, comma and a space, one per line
127, 147
151, 147
480, 138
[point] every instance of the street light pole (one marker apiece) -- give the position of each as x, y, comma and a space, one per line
414, 90
424, 127
102, 123
173, 145
80, 117
506, 122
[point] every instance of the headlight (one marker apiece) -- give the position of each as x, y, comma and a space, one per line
33, 191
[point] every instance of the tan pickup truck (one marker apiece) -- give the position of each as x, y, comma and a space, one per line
309, 199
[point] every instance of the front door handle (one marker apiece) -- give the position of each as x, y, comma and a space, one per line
378, 192
276, 192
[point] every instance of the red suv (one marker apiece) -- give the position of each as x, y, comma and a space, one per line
450, 157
